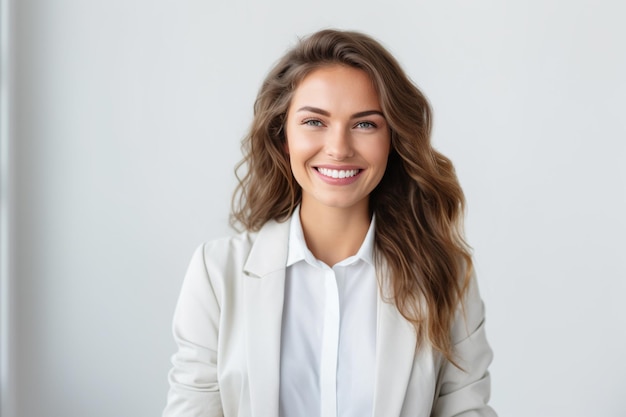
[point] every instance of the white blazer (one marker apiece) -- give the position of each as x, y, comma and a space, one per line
227, 326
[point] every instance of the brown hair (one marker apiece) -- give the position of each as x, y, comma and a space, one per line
418, 203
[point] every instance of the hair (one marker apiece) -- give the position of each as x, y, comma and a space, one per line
419, 203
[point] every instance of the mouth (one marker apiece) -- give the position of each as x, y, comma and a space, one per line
338, 173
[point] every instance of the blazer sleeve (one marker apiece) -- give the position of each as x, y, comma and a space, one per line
465, 392
194, 388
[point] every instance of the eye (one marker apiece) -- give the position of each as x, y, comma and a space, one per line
313, 123
365, 125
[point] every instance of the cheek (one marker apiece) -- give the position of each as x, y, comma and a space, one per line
378, 152
300, 147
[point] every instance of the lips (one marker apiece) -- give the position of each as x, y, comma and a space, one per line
338, 173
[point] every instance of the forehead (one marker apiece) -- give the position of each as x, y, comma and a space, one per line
336, 86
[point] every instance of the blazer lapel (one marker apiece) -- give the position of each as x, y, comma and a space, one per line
395, 355
264, 285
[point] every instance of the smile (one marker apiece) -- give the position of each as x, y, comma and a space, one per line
338, 173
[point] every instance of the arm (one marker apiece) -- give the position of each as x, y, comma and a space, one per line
194, 389
466, 392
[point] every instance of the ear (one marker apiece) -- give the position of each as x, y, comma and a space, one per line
286, 146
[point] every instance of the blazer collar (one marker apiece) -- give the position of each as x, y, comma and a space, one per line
263, 295
269, 250
395, 355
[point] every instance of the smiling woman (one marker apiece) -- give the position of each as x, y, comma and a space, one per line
338, 145
350, 292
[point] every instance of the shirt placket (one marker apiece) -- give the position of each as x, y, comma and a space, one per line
330, 345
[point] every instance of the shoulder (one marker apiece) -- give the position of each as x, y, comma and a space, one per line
228, 247
470, 314
467, 387
231, 253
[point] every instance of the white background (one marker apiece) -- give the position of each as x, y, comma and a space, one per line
121, 125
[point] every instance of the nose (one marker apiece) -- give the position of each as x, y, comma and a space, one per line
339, 144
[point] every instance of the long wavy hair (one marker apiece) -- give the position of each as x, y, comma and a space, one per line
419, 204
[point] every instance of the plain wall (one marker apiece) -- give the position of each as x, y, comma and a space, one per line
126, 121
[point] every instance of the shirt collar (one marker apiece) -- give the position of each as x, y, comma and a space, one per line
299, 251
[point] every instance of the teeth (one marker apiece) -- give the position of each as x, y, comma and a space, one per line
338, 173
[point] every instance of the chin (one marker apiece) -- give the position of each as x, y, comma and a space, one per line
342, 203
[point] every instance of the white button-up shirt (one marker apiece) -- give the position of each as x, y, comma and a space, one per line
328, 345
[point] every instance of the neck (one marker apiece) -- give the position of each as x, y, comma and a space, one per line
334, 234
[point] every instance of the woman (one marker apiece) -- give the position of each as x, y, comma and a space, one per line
350, 292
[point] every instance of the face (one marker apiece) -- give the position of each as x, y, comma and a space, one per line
337, 138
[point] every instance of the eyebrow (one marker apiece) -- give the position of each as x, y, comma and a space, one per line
327, 114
